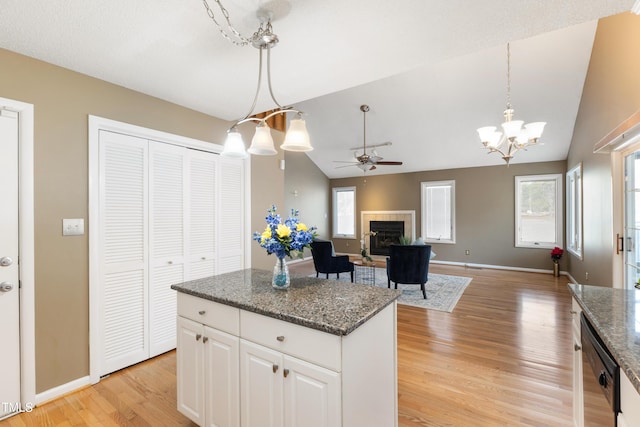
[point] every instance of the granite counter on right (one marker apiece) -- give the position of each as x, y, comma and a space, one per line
615, 315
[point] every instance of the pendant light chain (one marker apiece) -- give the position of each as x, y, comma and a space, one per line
508, 77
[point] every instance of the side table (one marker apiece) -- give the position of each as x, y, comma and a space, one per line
365, 272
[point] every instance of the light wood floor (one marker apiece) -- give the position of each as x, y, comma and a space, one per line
502, 358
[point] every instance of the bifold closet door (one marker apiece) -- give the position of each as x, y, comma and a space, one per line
167, 242
123, 262
202, 173
232, 233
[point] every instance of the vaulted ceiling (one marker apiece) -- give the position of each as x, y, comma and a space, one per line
431, 71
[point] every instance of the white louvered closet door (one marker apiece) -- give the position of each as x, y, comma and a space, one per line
123, 241
167, 195
231, 230
202, 213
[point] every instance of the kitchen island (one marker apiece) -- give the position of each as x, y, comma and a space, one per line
322, 353
615, 315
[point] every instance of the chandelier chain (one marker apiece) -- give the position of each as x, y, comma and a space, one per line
239, 40
508, 77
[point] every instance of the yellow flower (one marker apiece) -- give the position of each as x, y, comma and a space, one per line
283, 231
301, 227
266, 234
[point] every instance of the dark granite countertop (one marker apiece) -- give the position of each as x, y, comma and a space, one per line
326, 305
615, 314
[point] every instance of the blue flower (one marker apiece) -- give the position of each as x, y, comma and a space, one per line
283, 238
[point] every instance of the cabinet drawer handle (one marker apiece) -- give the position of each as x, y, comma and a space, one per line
169, 262
576, 347
198, 336
280, 338
201, 312
573, 312
285, 373
275, 368
205, 339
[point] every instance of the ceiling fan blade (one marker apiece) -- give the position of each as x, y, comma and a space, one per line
347, 166
389, 163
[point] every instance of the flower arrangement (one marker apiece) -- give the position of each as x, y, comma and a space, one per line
556, 254
284, 238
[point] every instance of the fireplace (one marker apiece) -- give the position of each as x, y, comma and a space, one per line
387, 233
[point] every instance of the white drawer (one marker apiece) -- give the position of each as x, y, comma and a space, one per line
308, 344
213, 314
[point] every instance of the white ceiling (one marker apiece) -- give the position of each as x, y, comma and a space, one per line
431, 71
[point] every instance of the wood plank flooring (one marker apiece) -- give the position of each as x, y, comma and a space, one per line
503, 357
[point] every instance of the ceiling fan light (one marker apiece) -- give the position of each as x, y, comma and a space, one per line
234, 145
535, 129
297, 137
512, 129
262, 142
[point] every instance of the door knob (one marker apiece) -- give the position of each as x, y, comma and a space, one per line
6, 287
5, 261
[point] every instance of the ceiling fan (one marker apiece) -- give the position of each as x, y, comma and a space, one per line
367, 161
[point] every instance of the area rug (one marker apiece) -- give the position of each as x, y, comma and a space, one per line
443, 291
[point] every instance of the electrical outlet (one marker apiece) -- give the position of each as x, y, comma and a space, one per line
73, 227
467, 252
586, 276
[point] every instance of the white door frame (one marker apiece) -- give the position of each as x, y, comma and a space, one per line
26, 254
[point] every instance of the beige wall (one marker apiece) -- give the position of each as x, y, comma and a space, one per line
62, 101
267, 188
485, 221
307, 190
611, 94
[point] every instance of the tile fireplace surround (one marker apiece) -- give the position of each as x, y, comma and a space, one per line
408, 217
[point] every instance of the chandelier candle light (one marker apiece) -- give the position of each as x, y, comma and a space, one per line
296, 138
514, 136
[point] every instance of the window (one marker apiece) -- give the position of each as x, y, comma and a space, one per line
574, 211
539, 211
344, 212
438, 211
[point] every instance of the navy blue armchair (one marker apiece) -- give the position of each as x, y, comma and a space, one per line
326, 262
408, 264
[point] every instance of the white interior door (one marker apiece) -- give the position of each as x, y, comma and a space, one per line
9, 272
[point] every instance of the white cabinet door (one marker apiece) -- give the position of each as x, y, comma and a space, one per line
311, 394
578, 405
261, 386
167, 190
222, 383
190, 370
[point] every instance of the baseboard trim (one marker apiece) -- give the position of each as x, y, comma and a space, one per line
56, 392
496, 267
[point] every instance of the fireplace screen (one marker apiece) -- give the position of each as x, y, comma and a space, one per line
387, 233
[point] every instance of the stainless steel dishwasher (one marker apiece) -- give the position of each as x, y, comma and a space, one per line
600, 379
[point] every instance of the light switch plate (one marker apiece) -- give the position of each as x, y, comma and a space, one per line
73, 227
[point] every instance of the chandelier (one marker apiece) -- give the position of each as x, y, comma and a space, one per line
296, 138
514, 135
